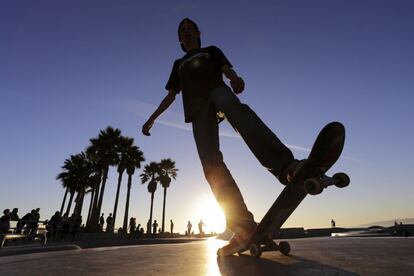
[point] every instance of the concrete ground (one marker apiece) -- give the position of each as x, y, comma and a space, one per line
310, 256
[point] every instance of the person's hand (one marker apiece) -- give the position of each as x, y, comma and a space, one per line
147, 126
237, 84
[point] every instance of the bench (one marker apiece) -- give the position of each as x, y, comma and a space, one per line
38, 234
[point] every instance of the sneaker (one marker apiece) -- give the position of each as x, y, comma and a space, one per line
238, 242
294, 170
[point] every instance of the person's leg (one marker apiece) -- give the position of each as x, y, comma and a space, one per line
264, 144
205, 130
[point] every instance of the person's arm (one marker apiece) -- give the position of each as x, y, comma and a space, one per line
165, 103
236, 82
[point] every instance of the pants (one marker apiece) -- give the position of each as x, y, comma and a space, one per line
264, 144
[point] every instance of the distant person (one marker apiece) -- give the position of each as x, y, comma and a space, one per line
5, 222
36, 215
333, 223
149, 227
132, 225
200, 227
101, 222
13, 215
27, 220
395, 223
171, 226
154, 227
77, 222
206, 97
189, 226
55, 224
109, 223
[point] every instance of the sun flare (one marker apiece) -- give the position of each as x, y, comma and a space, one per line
212, 215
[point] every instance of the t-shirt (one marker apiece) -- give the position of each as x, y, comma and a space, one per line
197, 74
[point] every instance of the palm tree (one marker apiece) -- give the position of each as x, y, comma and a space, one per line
83, 171
133, 159
67, 179
103, 151
167, 171
150, 175
124, 144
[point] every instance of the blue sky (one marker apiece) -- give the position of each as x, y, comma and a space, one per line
71, 68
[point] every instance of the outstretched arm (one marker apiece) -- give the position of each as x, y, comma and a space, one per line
236, 82
166, 102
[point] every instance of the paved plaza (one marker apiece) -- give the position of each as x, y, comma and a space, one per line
310, 256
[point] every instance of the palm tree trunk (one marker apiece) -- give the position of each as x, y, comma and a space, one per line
104, 178
77, 200
117, 195
94, 221
80, 203
152, 201
125, 226
163, 209
72, 194
64, 201
90, 207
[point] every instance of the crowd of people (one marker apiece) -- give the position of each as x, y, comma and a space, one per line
57, 227
62, 227
27, 224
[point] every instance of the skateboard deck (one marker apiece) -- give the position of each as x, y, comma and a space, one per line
311, 179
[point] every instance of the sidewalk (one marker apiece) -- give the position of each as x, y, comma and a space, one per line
309, 256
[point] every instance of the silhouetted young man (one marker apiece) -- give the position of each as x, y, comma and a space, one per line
199, 76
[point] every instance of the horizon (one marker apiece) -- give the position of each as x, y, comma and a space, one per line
70, 69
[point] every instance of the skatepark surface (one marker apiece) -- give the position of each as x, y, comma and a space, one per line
309, 256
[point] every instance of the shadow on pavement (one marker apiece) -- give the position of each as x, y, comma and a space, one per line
284, 265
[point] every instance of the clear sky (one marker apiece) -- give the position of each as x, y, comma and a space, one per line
71, 68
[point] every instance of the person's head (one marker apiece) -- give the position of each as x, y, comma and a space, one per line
15, 210
188, 34
57, 213
6, 211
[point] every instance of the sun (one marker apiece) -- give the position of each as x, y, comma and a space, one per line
212, 215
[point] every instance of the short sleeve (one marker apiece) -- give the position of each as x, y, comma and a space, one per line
218, 57
174, 80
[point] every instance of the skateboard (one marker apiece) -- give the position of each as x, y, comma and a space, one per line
310, 179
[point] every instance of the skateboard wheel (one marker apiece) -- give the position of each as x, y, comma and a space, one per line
284, 248
255, 250
341, 180
313, 186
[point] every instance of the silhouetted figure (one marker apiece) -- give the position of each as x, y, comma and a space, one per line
76, 224
132, 225
27, 220
189, 226
109, 223
101, 222
13, 215
55, 224
395, 223
148, 227
171, 227
198, 75
154, 227
5, 222
333, 224
401, 223
200, 227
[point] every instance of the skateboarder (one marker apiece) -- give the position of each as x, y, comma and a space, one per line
199, 76
200, 227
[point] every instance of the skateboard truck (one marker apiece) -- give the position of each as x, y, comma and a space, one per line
315, 186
